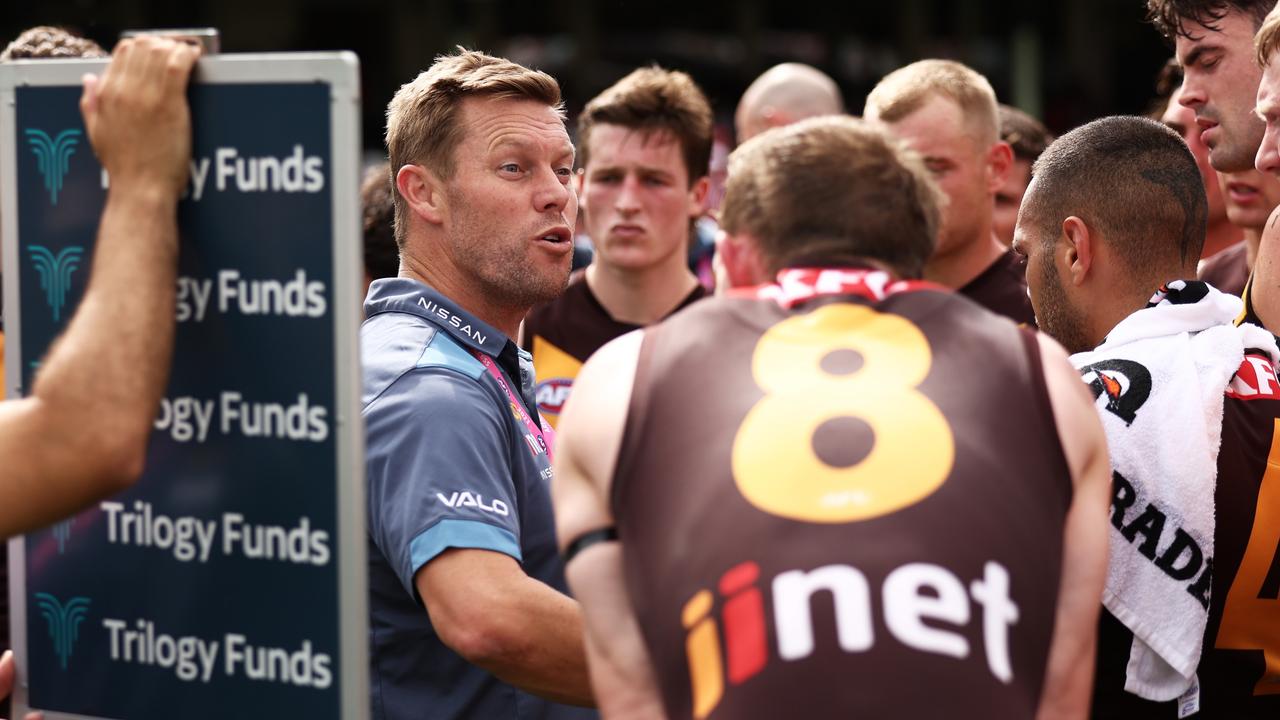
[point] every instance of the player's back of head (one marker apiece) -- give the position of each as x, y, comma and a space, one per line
1131, 179
833, 188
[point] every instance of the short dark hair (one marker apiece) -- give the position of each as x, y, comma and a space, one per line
833, 188
1026, 135
378, 209
652, 99
45, 42
1135, 180
1169, 16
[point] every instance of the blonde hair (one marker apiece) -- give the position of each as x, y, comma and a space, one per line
833, 188
422, 125
1267, 41
906, 89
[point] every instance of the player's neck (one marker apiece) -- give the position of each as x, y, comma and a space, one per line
1252, 241
1219, 236
455, 285
641, 297
959, 268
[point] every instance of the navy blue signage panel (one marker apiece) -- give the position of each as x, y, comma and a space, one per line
211, 589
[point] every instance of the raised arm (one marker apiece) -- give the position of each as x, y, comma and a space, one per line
589, 436
1069, 677
82, 432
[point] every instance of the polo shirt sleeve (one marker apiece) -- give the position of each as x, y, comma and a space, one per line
439, 471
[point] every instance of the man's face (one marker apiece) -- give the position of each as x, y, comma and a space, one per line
958, 161
1182, 120
636, 191
1047, 282
511, 206
1268, 109
1250, 197
1220, 82
1009, 199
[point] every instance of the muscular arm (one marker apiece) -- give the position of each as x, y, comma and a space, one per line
590, 433
1069, 676
82, 432
523, 631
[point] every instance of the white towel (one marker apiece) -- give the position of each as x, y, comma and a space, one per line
1159, 377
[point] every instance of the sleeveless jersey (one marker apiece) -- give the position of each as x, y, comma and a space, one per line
1239, 672
563, 333
841, 503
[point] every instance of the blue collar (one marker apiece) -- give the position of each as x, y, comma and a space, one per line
410, 296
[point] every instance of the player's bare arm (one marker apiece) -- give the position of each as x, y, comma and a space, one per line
1069, 675
81, 434
588, 441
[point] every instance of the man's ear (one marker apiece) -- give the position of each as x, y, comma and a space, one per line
739, 259
422, 192
698, 197
999, 165
1080, 249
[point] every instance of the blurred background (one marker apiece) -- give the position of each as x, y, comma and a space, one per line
1066, 62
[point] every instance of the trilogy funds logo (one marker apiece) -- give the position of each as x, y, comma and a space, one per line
55, 273
53, 157
64, 622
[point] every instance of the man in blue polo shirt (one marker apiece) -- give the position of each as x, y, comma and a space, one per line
468, 616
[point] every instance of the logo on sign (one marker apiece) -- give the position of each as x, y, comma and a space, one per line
64, 622
53, 157
62, 533
55, 273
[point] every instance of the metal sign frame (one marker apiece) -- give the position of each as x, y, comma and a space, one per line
340, 71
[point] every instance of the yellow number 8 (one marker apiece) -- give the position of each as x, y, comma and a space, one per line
774, 462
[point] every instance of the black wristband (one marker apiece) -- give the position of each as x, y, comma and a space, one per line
587, 539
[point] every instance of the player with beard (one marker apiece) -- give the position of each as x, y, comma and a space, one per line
645, 145
468, 617
1214, 43
791, 468
1112, 225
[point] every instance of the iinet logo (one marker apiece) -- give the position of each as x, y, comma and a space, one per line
911, 595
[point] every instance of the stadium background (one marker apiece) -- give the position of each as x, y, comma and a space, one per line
1065, 62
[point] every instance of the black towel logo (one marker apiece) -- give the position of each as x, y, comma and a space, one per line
1125, 383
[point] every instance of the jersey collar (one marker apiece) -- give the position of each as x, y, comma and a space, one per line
413, 297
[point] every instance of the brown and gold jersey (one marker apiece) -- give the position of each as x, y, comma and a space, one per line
563, 333
842, 497
1002, 289
1239, 672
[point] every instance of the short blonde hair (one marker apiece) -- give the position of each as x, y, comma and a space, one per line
1267, 41
422, 125
833, 188
906, 89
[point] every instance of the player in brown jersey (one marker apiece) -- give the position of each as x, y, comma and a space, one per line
947, 113
645, 145
1115, 212
847, 493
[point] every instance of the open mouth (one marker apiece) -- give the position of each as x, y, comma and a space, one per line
1241, 193
559, 237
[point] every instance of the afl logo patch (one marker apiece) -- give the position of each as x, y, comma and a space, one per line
1125, 384
552, 393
